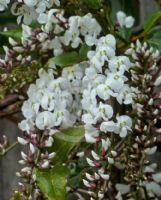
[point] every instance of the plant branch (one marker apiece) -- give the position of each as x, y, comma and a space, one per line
9, 148
8, 101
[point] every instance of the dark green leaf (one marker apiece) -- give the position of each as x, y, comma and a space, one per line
151, 21
75, 181
153, 38
53, 182
94, 4
155, 32
64, 142
83, 51
156, 43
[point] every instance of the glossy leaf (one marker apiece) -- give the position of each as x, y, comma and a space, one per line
64, 142
53, 182
151, 21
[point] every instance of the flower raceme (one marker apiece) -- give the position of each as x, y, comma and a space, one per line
55, 102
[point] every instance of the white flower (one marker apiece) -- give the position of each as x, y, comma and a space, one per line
108, 126
108, 40
48, 101
63, 118
92, 78
119, 63
124, 124
129, 22
89, 99
91, 133
26, 125
126, 95
105, 111
30, 109
45, 120
105, 92
123, 20
121, 16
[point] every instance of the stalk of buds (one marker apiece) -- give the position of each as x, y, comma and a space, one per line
36, 157
98, 179
140, 171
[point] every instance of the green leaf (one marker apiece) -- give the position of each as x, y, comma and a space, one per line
156, 43
151, 21
59, 176
76, 181
44, 182
16, 196
83, 51
64, 142
94, 4
14, 33
153, 37
53, 182
70, 58
65, 60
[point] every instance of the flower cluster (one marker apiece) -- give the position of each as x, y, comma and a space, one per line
52, 100
104, 82
73, 31
105, 79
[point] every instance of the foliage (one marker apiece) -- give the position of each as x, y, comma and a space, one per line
85, 81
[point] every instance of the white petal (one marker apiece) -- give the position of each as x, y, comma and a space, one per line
121, 16
107, 126
129, 22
